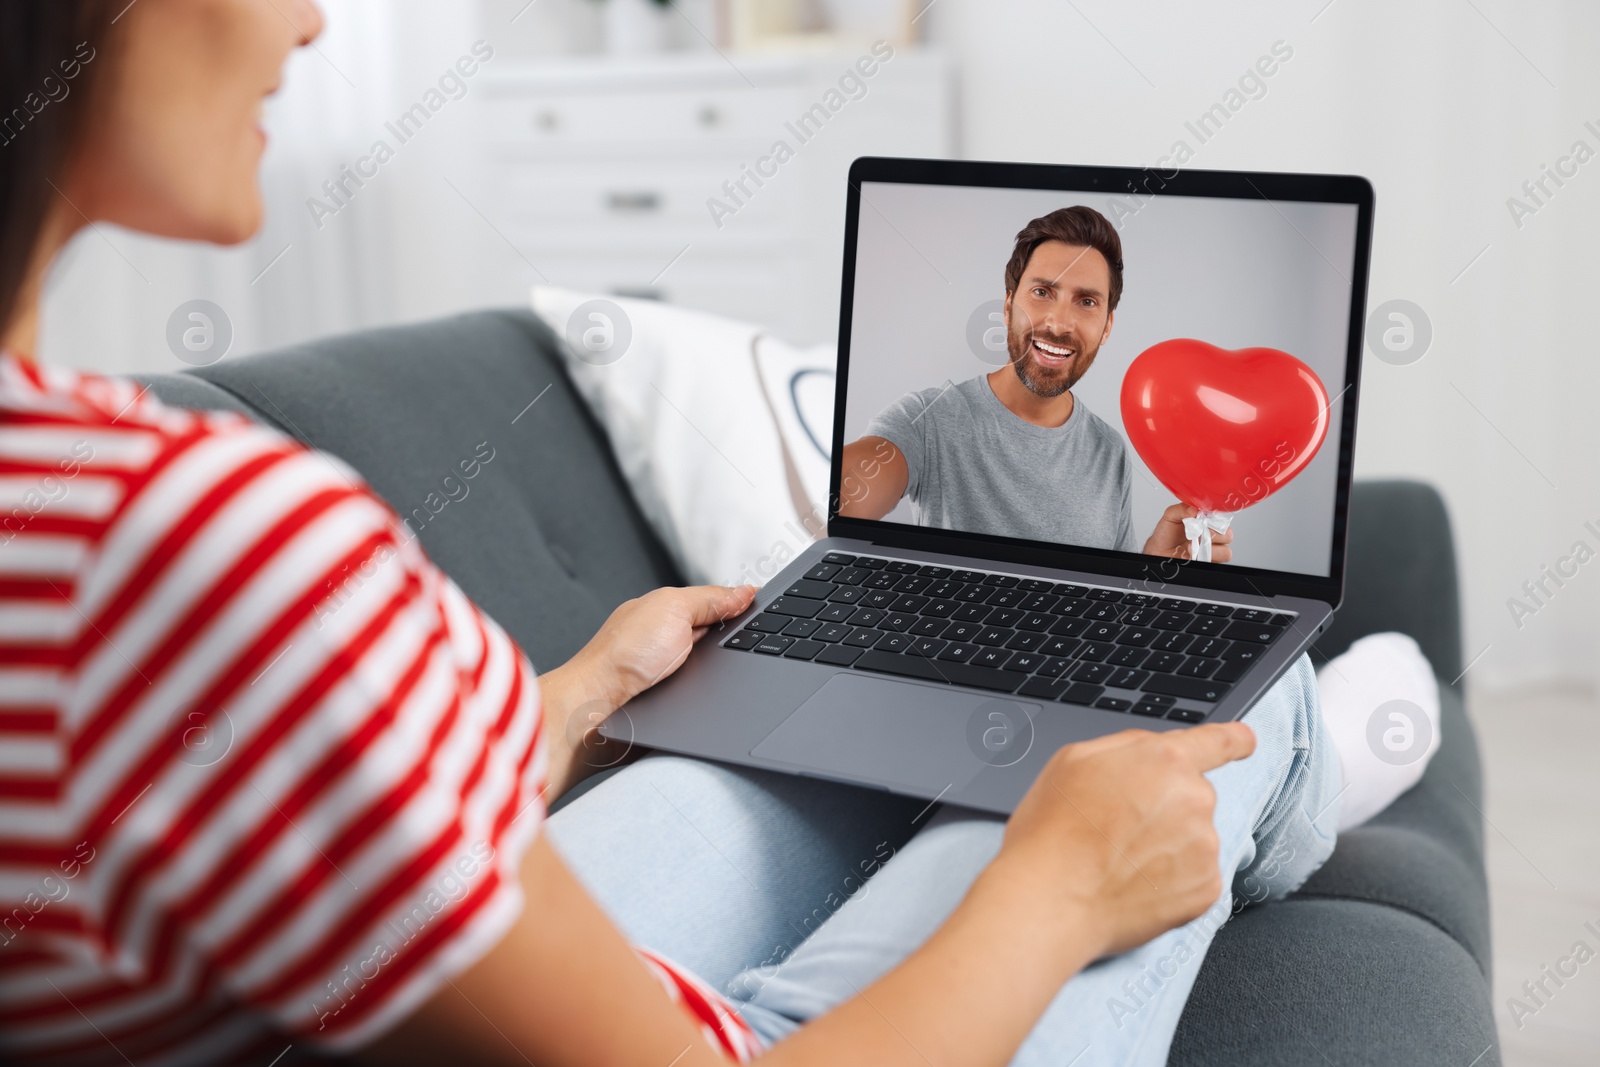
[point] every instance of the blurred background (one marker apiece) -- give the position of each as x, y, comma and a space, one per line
591, 149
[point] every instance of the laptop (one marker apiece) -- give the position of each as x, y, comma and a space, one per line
984, 594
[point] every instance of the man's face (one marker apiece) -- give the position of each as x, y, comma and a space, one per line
1058, 317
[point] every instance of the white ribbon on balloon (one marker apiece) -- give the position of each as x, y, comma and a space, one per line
1199, 529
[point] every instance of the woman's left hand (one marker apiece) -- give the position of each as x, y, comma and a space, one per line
643, 641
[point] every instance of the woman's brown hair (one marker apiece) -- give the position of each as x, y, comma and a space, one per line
50, 54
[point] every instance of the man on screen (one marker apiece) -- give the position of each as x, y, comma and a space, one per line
1013, 452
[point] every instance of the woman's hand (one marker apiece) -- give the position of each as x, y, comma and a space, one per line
642, 642
1115, 837
1168, 538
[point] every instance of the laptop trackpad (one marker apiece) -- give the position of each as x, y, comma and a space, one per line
920, 738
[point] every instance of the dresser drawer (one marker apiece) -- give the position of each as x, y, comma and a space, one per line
686, 119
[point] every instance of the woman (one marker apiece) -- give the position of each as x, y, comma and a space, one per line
362, 867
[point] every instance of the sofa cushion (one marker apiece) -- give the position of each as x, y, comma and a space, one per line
545, 538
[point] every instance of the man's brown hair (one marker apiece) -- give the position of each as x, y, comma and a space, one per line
1078, 225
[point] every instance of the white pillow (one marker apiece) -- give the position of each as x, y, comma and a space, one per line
721, 431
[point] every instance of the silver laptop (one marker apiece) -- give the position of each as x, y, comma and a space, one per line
1003, 573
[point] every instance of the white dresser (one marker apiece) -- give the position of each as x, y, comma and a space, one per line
603, 173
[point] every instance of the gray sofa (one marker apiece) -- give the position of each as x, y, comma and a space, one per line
1383, 957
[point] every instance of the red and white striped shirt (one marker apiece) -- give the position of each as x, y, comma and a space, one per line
266, 774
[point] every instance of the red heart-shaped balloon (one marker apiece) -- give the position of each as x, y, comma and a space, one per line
1223, 428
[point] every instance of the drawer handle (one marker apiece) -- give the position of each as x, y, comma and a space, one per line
635, 202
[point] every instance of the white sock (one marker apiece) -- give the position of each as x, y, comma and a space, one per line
1381, 703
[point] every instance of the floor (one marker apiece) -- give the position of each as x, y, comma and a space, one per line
1541, 753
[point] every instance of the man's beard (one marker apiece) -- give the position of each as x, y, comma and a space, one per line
1041, 381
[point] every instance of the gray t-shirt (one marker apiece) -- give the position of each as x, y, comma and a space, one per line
976, 467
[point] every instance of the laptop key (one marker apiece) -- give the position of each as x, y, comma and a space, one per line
1212, 647
744, 640
1172, 603
1025, 641
1034, 585
798, 606
1199, 667
958, 652
913, 583
1232, 670
1206, 625
1053, 666
1095, 651
1042, 688
835, 613
823, 572
1128, 678
881, 580
969, 576
894, 642
1103, 613
769, 624
833, 632
1173, 620
1172, 642
1164, 662
804, 650
1061, 646
1067, 589
846, 594
926, 646
1069, 627
802, 628
926, 627
1113, 704
1005, 617
1006, 598
1260, 633
952, 673
1190, 715
1209, 690
1026, 661
898, 621
774, 644
1141, 617
911, 602
838, 557
878, 598
867, 616
941, 609
962, 631
901, 566
932, 571
1155, 711
1251, 615
992, 657
805, 587
1280, 620
1072, 608
944, 590
1038, 621
872, 563
1004, 581
838, 655
993, 635
1136, 635
1040, 602
1127, 656
1105, 594
1081, 693
974, 594
852, 576
1103, 631
1097, 673
863, 637
1219, 610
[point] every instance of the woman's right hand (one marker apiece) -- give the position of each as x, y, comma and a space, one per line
1115, 838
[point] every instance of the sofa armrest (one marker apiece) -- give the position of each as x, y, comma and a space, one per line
1400, 574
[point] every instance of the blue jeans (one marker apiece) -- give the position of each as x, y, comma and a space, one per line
790, 894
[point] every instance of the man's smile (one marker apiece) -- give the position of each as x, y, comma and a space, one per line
1052, 356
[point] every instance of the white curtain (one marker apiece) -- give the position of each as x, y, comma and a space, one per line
406, 247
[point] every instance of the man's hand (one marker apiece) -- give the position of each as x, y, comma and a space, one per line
642, 642
1169, 540
1116, 838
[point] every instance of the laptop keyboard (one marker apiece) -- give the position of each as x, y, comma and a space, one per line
1141, 653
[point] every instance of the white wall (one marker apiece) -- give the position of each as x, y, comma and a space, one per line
1448, 108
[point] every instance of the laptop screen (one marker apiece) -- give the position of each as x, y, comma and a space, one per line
1000, 341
